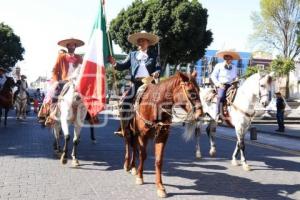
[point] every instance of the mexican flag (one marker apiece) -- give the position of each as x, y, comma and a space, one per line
91, 81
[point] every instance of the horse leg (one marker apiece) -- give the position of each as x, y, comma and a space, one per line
235, 154
56, 134
127, 153
159, 153
76, 138
211, 133
92, 135
65, 128
133, 142
5, 116
242, 146
142, 140
197, 136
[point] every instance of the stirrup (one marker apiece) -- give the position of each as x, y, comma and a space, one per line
119, 133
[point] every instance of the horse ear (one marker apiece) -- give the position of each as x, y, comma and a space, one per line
194, 74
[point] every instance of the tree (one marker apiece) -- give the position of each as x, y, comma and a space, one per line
282, 66
276, 26
11, 50
180, 24
251, 70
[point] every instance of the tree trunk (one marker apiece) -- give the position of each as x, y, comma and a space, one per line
287, 87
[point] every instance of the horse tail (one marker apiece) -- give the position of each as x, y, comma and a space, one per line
190, 129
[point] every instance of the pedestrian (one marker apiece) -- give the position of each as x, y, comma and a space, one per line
142, 63
280, 106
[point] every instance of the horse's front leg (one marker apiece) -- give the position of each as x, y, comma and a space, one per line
159, 154
92, 131
65, 128
76, 139
211, 133
134, 152
197, 137
142, 140
242, 146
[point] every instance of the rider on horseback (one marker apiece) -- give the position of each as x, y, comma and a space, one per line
21, 83
64, 67
142, 64
223, 75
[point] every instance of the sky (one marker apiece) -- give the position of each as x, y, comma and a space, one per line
42, 23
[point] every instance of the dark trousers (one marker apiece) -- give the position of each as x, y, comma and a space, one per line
129, 96
280, 119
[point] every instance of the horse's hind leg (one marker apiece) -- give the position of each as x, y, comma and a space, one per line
93, 134
211, 133
56, 134
5, 116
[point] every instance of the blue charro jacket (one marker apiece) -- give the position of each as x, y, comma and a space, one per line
132, 64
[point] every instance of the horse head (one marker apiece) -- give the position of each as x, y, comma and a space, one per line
265, 81
186, 94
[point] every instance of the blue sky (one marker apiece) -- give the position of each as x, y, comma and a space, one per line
42, 23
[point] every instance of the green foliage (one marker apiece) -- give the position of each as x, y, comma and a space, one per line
282, 66
251, 70
180, 24
276, 26
11, 50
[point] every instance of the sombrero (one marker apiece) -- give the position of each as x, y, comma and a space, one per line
277, 92
153, 39
64, 43
232, 53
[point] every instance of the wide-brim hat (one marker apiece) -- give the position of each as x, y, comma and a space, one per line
152, 38
3, 69
235, 55
277, 92
77, 42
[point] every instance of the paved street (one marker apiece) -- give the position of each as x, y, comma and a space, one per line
28, 169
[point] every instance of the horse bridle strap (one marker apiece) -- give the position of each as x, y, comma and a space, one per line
243, 112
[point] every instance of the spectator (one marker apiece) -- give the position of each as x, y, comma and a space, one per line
280, 106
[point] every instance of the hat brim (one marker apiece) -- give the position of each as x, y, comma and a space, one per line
153, 39
65, 42
233, 54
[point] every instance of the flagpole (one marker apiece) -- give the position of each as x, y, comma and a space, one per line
113, 69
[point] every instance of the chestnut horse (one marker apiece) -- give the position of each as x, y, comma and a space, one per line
153, 117
6, 98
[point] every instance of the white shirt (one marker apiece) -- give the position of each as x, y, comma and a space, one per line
221, 75
142, 70
70, 70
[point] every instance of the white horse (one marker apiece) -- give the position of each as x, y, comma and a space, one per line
21, 101
254, 89
70, 110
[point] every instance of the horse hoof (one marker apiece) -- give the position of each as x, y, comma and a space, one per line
94, 141
234, 163
75, 163
212, 153
139, 181
246, 167
161, 193
126, 169
133, 171
63, 159
198, 155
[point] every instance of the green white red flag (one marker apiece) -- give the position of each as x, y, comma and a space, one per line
91, 84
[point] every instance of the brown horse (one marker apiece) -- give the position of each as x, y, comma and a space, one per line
153, 117
6, 98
